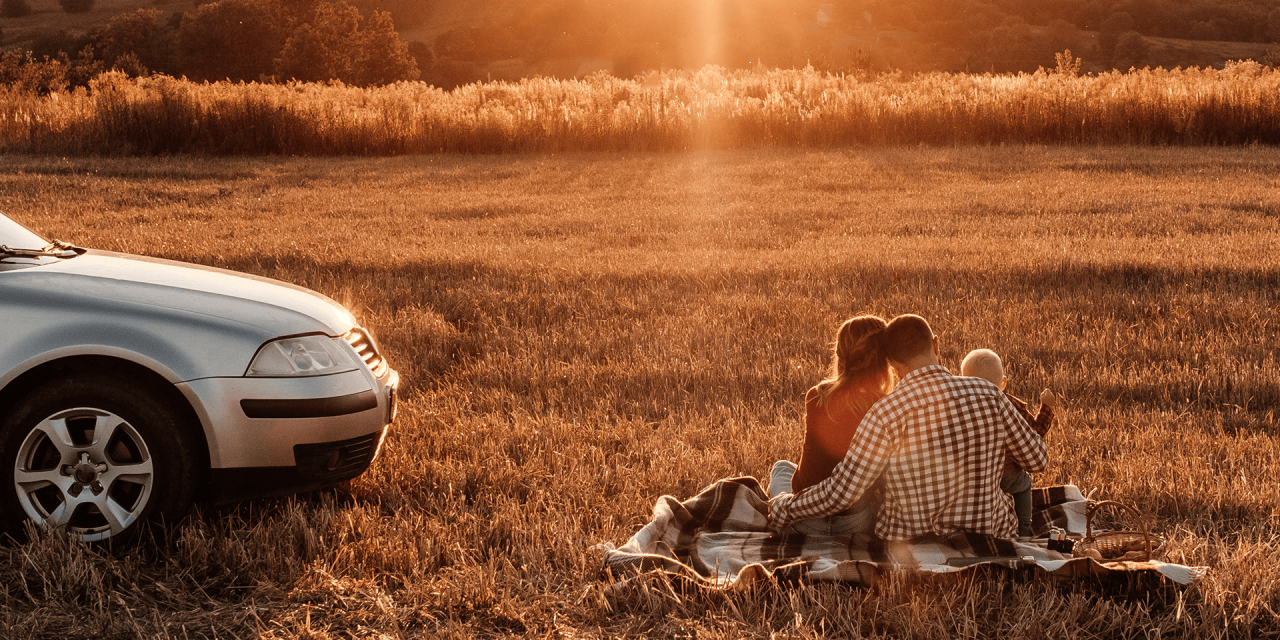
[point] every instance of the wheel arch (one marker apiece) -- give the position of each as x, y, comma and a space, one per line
45, 372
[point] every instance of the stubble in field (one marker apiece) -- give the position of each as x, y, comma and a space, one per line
580, 334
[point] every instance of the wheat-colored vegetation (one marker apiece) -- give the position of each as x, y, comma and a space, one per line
579, 334
709, 109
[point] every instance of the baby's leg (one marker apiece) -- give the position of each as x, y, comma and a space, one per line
1018, 485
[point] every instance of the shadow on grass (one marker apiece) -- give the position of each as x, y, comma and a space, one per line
484, 309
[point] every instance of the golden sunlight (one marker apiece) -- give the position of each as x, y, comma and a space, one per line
709, 28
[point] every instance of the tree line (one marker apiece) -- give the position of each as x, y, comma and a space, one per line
236, 40
355, 41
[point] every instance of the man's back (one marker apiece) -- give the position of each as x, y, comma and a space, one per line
940, 441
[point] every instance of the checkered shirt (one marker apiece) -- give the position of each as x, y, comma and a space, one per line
939, 440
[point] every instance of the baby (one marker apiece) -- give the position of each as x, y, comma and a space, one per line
985, 364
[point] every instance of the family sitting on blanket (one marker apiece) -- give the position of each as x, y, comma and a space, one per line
924, 456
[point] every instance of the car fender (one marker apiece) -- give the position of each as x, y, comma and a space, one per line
180, 345
175, 345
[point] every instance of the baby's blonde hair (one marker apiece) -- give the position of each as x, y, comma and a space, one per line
985, 364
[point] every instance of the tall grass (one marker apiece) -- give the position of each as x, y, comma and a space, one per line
709, 109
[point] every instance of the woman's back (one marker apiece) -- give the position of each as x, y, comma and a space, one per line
830, 426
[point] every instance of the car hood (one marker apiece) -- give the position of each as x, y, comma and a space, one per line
276, 307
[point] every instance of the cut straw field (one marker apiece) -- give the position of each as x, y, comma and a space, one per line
580, 334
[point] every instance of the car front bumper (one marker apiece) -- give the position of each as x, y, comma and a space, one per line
275, 436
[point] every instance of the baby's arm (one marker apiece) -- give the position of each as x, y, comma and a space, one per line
1043, 421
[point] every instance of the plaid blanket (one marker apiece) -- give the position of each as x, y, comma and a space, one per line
720, 538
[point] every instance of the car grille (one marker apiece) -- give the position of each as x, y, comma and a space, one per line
363, 343
337, 461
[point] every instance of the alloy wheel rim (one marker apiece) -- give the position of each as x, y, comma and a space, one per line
86, 471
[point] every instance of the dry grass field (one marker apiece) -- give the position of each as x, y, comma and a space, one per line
582, 333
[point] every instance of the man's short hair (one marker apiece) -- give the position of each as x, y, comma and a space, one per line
985, 364
906, 337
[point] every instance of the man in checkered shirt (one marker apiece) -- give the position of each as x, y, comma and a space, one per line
938, 440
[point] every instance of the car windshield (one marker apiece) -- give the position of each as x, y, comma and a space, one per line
16, 236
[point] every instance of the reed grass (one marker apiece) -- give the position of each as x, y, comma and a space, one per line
581, 333
712, 108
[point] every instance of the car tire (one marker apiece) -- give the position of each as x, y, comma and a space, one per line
96, 456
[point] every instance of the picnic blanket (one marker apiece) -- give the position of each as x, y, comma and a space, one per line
720, 538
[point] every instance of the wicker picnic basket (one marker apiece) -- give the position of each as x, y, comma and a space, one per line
1113, 546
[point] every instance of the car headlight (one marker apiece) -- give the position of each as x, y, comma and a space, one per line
302, 356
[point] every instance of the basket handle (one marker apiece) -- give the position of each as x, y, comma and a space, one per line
1093, 508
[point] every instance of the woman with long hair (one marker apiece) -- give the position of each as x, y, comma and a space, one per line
860, 375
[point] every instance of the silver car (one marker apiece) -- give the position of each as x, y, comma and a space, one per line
132, 386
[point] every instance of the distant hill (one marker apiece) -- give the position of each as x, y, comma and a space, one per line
469, 40
441, 16
479, 39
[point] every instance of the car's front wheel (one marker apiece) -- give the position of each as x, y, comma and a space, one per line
96, 457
